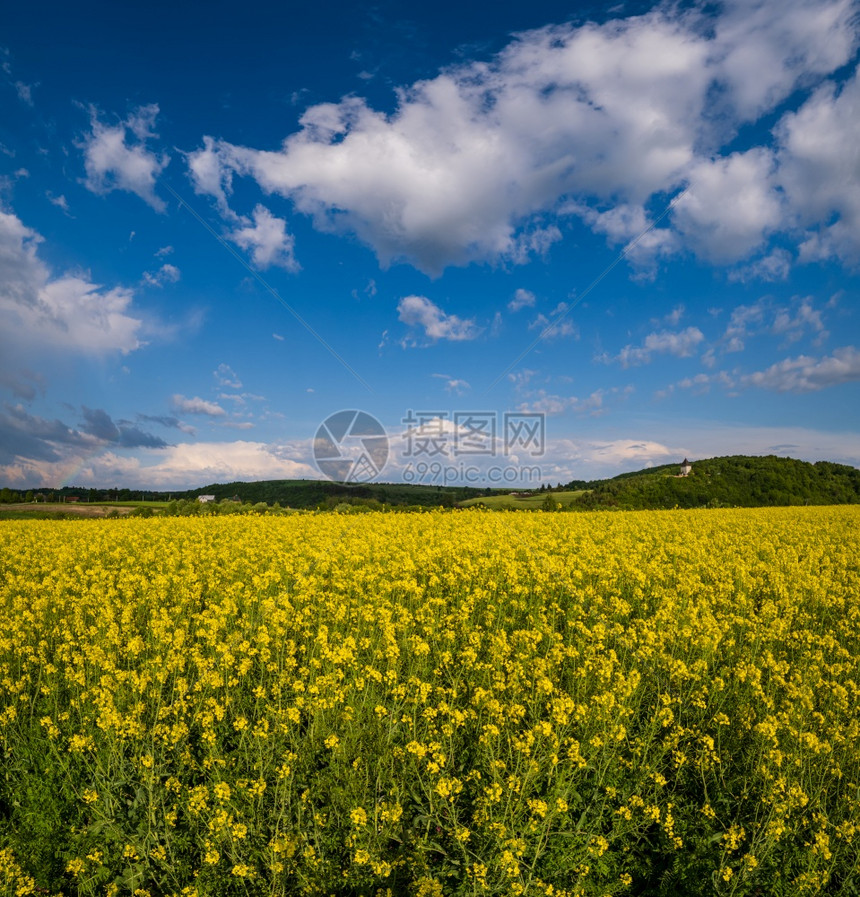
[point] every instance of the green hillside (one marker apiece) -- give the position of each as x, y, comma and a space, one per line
524, 501
734, 481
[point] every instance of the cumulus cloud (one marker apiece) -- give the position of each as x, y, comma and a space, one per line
474, 153
471, 161
631, 225
420, 313
23, 384
453, 384
226, 376
25, 92
764, 49
589, 458
556, 326
182, 466
793, 325
116, 157
680, 343
99, 423
168, 421
674, 316
59, 201
773, 266
69, 313
546, 403
819, 163
199, 463
792, 321
700, 384
196, 405
267, 239
807, 374
24, 435
101, 426
522, 299
165, 274
730, 206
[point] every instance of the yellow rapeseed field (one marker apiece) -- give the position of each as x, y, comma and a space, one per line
432, 703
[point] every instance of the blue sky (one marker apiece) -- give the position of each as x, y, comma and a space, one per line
640, 220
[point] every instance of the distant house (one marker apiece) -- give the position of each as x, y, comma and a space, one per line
73, 498
686, 467
204, 499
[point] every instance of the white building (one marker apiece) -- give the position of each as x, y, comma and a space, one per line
686, 467
203, 499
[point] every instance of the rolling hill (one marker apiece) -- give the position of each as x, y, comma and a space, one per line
734, 481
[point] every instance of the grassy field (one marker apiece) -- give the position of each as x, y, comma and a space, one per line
433, 704
54, 510
513, 501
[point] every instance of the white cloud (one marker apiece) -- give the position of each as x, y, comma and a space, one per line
521, 379
674, 316
522, 299
116, 157
59, 201
196, 405
629, 223
730, 207
764, 49
794, 326
557, 326
420, 312
268, 240
226, 376
793, 321
680, 343
699, 384
165, 274
776, 265
806, 374
567, 459
546, 403
181, 466
588, 458
473, 153
40, 311
454, 385
819, 163
25, 92
210, 173
471, 160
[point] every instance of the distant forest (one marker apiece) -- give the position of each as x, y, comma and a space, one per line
735, 481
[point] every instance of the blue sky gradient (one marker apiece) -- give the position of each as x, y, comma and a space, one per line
217, 229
